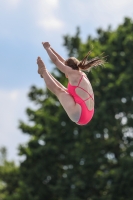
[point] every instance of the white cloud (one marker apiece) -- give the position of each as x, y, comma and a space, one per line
53, 3
114, 5
50, 24
10, 4
113, 12
14, 95
102, 12
86, 8
46, 15
14, 3
13, 104
47, 7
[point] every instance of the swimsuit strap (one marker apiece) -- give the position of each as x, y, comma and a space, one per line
90, 96
87, 93
80, 80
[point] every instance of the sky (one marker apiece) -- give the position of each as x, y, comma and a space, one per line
24, 25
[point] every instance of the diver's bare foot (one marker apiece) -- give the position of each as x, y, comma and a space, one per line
41, 67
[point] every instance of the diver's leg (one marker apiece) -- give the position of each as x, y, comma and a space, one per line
57, 82
72, 109
50, 82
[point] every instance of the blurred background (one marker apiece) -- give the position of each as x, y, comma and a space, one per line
24, 25
72, 28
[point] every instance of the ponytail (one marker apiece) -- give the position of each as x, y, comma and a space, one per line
87, 65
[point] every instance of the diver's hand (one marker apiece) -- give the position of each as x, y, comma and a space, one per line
46, 45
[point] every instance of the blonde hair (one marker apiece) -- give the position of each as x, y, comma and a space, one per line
84, 64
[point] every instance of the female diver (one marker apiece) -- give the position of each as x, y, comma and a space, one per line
78, 98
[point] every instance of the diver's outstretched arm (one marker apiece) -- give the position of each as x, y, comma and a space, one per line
60, 65
59, 57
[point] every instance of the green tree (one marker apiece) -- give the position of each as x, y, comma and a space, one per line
94, 162
9, 177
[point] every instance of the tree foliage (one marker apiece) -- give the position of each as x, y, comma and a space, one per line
9, 177
93, 162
